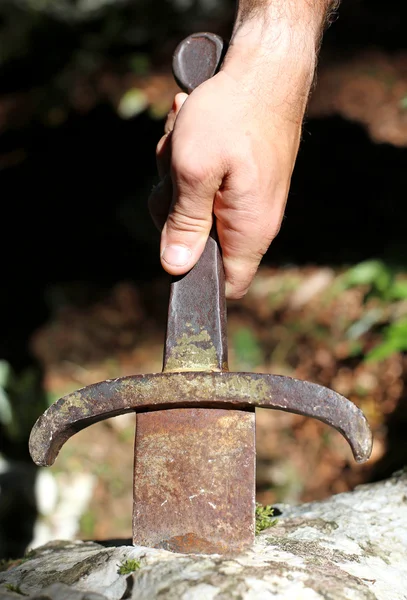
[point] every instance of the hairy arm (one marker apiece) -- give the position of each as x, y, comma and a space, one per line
230, 147
299, 11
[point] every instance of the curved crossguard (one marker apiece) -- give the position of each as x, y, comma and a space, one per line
194, 485
159, 391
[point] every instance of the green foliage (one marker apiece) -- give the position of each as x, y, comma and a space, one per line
264, 517
394, 340
247, 348
6, 413
132, 103
128, 566
382, 284
373, 273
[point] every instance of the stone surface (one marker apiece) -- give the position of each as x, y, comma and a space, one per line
352, 546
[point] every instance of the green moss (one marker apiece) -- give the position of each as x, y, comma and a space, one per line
128, 566
264, 517
15, 588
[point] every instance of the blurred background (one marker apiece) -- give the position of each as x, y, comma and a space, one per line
85, 86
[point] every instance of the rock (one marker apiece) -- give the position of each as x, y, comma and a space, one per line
352, 546
61, 502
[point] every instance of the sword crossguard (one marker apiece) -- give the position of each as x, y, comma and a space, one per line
161, 391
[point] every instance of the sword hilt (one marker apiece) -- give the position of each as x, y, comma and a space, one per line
196, 337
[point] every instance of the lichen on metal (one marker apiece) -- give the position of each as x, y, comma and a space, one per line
192, 352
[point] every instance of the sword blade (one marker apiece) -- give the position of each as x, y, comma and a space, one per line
194, 474
194, 480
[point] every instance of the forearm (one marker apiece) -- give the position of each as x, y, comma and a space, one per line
266, 14
274, 47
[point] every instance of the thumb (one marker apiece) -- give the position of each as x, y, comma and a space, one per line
189, 222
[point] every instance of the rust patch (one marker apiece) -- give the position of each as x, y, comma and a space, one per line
194, 480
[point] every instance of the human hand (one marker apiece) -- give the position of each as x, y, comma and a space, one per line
229, 151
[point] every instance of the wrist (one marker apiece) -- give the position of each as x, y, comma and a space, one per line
273, 32
270, 15
254, 43
273, 61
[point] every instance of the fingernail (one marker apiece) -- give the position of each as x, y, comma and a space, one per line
176, 256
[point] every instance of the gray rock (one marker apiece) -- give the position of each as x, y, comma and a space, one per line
352, 546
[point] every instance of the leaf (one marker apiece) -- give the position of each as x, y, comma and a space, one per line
397, 330
132, 103
5, 372
395, 340
264, 517
384, 350
6, 413
399, 290
128, 566
371, 272
247, 348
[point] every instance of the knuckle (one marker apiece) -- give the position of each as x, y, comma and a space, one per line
191, 172
185, 220
194, 166
236, 292
239, 274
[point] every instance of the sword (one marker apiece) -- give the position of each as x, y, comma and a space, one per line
194, 454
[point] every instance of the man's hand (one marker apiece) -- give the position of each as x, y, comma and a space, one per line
230, 148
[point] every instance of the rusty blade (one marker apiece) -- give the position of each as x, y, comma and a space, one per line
187, 460
143, 393
206, 451
196, 337
192, 471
